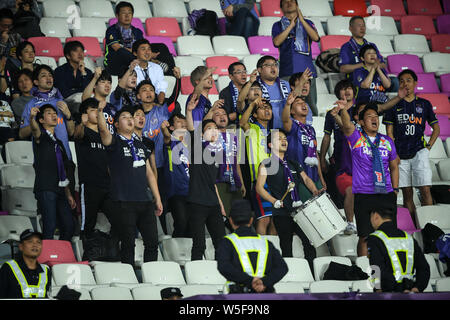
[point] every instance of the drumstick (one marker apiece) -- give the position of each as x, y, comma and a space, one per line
290, 187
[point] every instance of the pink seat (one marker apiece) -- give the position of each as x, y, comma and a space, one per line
333, 42
91, 46
222, 63
404, 221
424, 7
350, 8
399, 62
136, 22
391, 8
439, 101
441, 43
165, 27
315, 49
426, 83
262, 45
56, 252
445, 83
188, 88
47, 47
443, 24
270, 8
166, 40
418, 25
444, 126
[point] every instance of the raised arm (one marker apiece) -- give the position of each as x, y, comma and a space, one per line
105, 135
312, 33
244, 121
286, 115
392, 102
123, 81
191, 106
35, 130
341, 115
240, 105
365, 84
280, 38
89, 90
70, 124
385, 80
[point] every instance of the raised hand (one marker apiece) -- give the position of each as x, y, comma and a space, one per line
177, 72
101, 106
33, 112
402, 92
98, 71
291, 98
64, 108
133, 64
253, 76
84, 119
192, 103
165, 124
218, 103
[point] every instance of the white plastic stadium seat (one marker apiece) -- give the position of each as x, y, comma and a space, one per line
87, 62
438, 153
437, 215
316, 8
85, 294
344, 245
147, 292
195, 45
203, 272
109, 273
443, 285
91, 27
288, 287
19, 152
111, 293
182, 98
230, 46
381, 25
275, 241
266, 24
12, 226
19, 176
318, 25
57, 8
222, 82
19, 201
166, 273
363, 286
50, 61
437, 62
198, 289
250, 62
298, 271
411, 44
73, 274
169, 9
141, 9
444, 169
328, 286
212, 5
96, 9
338, 25
321, 265
139, 253
363, 263
55, 27
177, 249
187, 64
434, 272
324, 103
383, 43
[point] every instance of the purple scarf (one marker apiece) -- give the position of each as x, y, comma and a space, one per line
227, 169
289, 178
43, 97
63, 181
307, 130
137, 162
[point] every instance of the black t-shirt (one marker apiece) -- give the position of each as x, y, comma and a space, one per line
92, 160
9, 286
202, 177
128, 183
277, 182
45, 165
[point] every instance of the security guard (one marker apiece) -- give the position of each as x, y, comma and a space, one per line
402, 264
250, 263
25, 277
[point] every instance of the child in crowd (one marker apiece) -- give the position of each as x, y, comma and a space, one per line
125, 93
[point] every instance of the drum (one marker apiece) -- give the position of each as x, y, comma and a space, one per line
319, 218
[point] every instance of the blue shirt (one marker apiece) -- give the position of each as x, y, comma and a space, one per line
290, 60
202, 108
408, 119
60, 129
152, 130
176, 170
376, 92
349, 53
225, 3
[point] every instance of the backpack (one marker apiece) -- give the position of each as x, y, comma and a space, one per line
328, 61
204, 22
100, 246
338, 271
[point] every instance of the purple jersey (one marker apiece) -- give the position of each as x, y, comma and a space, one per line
228, 168
298, 144
376, 92
362, 162
408, 119
200, 111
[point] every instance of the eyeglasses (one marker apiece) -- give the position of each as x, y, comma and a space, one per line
240, 72
272, 65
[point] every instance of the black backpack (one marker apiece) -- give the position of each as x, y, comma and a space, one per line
328, 61
100, 246
207, 24
338, 271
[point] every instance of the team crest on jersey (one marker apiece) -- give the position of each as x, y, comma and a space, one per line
154, 121
419, 109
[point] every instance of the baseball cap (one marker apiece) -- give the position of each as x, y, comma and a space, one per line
170, 292
241, 211
28, 233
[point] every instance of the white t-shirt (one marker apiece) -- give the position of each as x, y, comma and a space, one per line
5, 122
